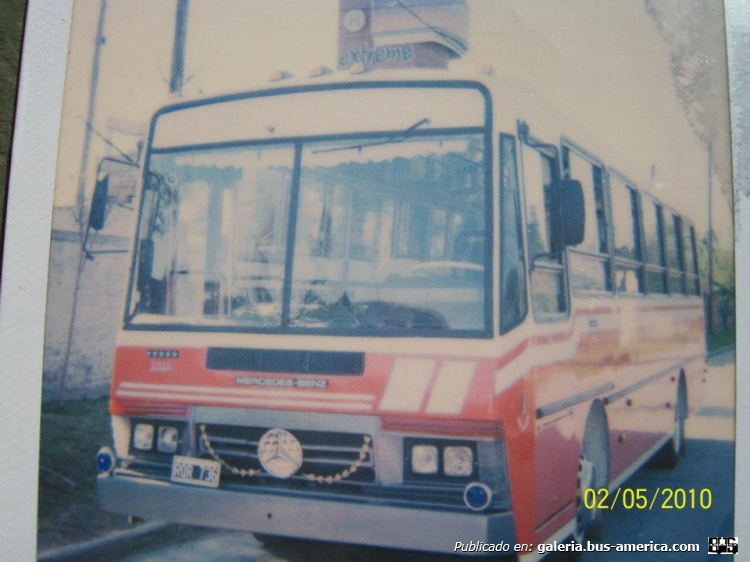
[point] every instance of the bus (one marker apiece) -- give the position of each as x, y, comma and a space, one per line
404, 312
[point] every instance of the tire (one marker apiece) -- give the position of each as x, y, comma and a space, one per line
670, 454
588, 525
593, 473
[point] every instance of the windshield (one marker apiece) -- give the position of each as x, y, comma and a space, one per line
384, 235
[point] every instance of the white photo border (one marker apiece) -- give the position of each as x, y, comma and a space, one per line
25, 264
27, 242
737, 14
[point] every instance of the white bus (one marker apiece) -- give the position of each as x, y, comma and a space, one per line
403, 312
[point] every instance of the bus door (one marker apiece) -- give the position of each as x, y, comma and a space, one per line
555, 481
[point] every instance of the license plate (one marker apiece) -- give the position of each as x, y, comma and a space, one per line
199, 472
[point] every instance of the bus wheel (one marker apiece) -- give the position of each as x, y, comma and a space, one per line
593, 474
588, 524
675, 448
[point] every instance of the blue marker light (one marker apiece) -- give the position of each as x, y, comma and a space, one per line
477, 496
105, 460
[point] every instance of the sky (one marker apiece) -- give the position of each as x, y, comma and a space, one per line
602, 63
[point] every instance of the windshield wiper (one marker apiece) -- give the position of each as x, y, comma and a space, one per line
398, 137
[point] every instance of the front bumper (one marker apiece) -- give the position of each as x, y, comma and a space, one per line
354, 522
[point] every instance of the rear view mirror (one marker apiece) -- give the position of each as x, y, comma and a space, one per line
568, 215
98, 213
123, 178
116, 185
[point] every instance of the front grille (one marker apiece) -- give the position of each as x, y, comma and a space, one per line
325, 455
153, 465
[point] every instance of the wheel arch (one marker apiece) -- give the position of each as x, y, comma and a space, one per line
595, 441
593, 472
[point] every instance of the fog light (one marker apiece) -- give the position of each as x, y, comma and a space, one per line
167, 441
105, 460
458, 461
143, 437
477, 496
424, 459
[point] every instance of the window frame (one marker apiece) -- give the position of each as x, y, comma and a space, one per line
487, 330
551, 153
519, 227
637, 264
606, 258
651, 267
675, 230
691, 276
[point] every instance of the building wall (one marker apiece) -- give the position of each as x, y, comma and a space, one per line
99, 306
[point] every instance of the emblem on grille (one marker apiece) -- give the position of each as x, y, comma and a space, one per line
280, 453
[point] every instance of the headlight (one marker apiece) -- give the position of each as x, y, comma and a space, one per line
458, 461
424, 459
168, 438
143, 437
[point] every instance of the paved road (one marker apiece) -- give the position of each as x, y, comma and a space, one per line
709, 464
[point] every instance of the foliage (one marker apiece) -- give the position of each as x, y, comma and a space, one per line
723, 265
71, 435
721, 339
11, 28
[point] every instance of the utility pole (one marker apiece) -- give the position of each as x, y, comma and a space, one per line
710, 243
81, 196
176, 80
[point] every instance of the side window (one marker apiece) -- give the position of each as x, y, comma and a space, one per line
674, 254
546, 270
654, 246
627, 247
589, 263
692, 281
538, 170
512, 272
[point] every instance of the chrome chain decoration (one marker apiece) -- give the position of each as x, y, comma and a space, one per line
249, 472
347, 471
214, 455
